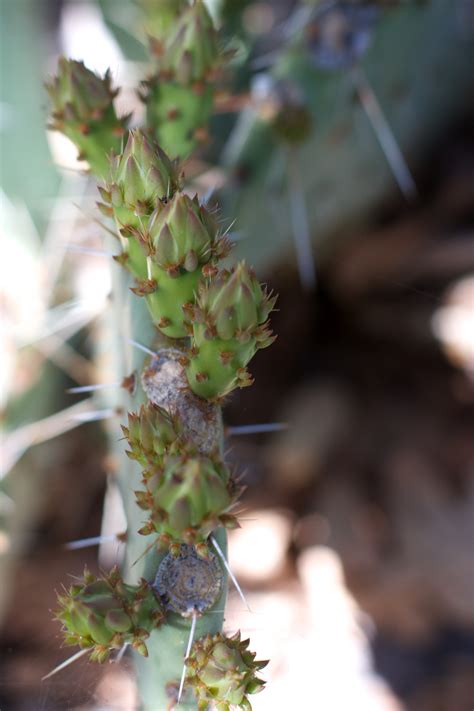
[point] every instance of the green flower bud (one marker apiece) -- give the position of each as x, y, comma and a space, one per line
139, 180
221, 671
83, 109
229, 326
182, 228
150, 433
181, 239
106, 613
189, 500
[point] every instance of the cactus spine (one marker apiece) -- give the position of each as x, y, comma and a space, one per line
178, 494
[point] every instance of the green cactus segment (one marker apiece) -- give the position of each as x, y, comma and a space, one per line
229, 325
83, 109
181, 239
179, 96
179, 114
103, 614
222, 671
150, 434
187, 501
139, 180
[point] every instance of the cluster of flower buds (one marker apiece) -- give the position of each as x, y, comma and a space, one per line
222, 669
83, 109
179, 96
170, 240
103, 614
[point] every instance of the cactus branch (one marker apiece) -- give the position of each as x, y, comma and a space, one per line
196, 326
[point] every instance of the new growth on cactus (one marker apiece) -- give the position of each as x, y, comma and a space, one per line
188, 500
229, 325
103, 614
83, 109
222, 668
177, 490
179, 95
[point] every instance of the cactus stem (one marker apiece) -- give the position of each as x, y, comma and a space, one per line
141, 347
188, 651
231, 574
256, 429
66, 663
388, 142
92, 388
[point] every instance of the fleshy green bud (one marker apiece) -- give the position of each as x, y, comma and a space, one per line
150, 433
221, 671
189, 500
182, 237
229, 326
182, 234
83, 109
104, 614
139, 181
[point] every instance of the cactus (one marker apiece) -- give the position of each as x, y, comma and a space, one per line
179, 95
206, 323
138, 179
103, 614
188, 499
229, 324
181, 240
223, 668
83, 109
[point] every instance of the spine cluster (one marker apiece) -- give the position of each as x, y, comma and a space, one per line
216, 316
